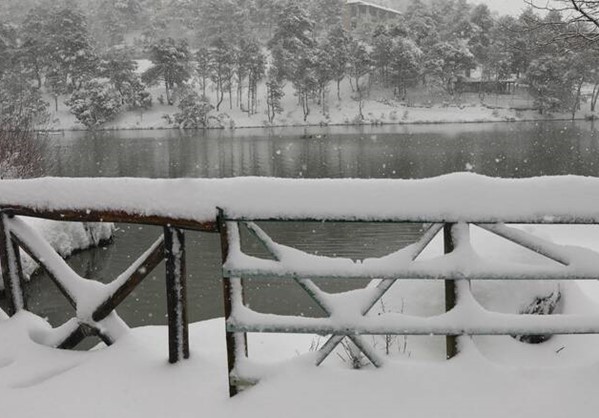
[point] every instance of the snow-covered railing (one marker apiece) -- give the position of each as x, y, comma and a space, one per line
95, 302
449, 204
347, 313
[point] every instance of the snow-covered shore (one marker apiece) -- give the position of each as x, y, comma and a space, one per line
378, 108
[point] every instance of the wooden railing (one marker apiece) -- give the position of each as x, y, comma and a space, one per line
348, 317
95, 303
180, 205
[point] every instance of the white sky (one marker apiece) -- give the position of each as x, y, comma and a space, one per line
513, 7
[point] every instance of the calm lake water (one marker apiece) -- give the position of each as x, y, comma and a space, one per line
505, 150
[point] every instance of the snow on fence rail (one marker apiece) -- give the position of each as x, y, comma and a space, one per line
449, 204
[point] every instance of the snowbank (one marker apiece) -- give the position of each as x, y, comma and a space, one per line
133, 379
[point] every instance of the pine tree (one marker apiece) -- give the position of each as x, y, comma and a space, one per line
171, 59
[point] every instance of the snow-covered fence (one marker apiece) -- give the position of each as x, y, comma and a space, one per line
346, 313
450, 204
95, 302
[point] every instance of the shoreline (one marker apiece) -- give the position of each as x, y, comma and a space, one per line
318, 125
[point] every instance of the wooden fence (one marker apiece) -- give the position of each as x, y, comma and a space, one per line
95, 303
464, 316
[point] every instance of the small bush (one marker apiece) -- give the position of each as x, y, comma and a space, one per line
20, 154
193, 111
95, 103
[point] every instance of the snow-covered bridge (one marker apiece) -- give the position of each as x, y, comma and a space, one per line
448, 206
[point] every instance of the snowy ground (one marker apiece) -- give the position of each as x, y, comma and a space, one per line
378, 108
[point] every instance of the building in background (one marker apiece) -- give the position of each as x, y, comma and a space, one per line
358, 12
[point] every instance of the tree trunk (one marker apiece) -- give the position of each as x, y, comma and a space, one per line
577, 99
594, 97
220, 95
169, 100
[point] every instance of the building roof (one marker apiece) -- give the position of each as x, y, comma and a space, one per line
376, 6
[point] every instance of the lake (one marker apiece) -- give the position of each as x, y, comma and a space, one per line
415, 151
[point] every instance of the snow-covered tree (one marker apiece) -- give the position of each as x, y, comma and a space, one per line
95, 103
326, 13
447, 61
405, 64
171, 59
22, 110
21, 105
202, 67
360, 63
223, 19
251, 64
70, 47
292, 38
193, 111
382, 55
119, 69
8, 46
36, 48
549, 82
337, 45
274, 94
222, 68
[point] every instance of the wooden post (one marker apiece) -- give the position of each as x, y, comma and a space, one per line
176, 294
12, 272
234, 344
451, 341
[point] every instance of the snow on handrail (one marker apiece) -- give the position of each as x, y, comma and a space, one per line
451, 198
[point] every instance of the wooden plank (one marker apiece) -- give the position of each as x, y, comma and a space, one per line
118, 216
176, 294
51, 275
506, 324
146, 267
538, 245
451, 342
12, 272
75, 338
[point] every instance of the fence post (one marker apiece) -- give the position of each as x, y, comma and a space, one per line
451, 341
176, 294
12, 271
236, 342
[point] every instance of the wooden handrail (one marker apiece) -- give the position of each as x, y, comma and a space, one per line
115, 216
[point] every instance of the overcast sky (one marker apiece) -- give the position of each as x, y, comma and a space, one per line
513, 7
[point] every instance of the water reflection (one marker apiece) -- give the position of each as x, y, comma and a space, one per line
506, 150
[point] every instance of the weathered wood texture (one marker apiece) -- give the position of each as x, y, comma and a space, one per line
176, 294
451, 341
234, 345
12, 272
117, 216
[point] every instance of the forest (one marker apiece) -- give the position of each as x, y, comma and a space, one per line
206, 55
